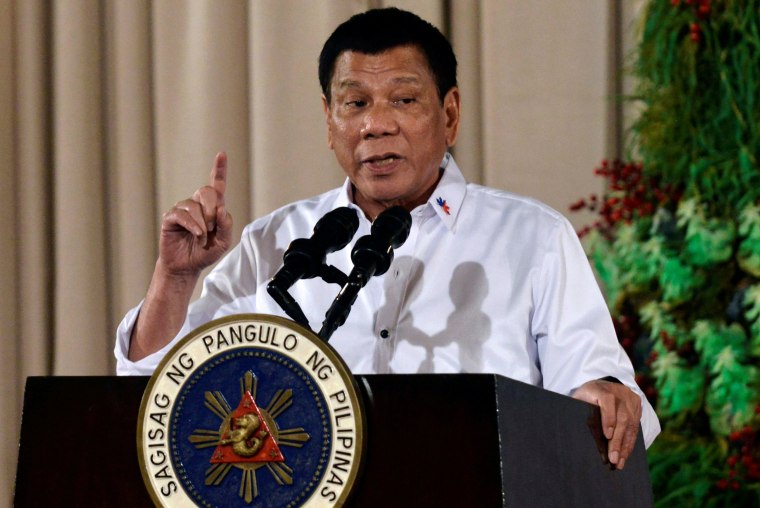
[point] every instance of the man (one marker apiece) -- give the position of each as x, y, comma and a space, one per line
486, 282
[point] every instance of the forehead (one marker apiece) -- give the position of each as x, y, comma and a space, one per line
402, 63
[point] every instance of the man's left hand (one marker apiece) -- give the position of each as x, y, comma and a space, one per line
621, 413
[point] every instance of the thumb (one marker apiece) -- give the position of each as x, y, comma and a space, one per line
223, 219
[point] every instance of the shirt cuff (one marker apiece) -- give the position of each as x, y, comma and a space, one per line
124, 366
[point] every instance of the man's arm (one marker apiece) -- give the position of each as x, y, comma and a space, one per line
195, 233
578, 346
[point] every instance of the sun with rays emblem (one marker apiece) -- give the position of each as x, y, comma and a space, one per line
248, 438
250, 411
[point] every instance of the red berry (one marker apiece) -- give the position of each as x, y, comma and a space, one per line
581, 203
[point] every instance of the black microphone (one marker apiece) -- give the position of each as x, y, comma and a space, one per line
306, 257
372, 255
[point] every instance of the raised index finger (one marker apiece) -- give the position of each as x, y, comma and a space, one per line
219, 173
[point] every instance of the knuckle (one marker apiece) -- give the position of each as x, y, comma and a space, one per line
201, 193
184, 204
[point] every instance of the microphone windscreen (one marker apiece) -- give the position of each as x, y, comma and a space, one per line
392, 226
333, 231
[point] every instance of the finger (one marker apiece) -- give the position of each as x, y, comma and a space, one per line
223, 219
178, 220
629, 442
219, 173
615, 445
208, 198
632, 416
608, 409
188, 215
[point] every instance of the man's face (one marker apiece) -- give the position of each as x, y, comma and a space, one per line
387, 126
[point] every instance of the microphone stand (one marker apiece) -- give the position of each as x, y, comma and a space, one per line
372, 255
305, 258
278, 290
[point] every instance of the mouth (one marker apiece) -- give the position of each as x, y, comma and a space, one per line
382, 161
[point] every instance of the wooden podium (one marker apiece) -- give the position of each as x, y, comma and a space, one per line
433, 440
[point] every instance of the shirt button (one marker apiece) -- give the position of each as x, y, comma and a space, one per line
384, 334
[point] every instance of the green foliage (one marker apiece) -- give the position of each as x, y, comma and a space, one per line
677, 246
688, 471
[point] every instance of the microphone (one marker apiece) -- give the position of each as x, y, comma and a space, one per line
306, 258
372, 255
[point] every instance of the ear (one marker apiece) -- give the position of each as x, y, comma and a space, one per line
326, 109
451, 105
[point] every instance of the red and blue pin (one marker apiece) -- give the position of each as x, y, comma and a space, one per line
444, 206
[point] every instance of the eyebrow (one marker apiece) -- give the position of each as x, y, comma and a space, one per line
401, 80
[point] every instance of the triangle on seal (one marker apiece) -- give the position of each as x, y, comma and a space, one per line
248, 437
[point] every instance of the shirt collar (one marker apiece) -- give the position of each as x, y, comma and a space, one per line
448, 196
445, 201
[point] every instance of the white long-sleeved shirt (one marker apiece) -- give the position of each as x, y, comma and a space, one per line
487, 282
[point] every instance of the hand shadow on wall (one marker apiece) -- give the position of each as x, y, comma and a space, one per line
467, 326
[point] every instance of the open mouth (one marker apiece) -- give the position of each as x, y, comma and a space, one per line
382, 161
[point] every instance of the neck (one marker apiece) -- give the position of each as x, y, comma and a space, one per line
372, 208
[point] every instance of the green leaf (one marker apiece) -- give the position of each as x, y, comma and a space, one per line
680, 387
717, 343
709, 241
752, 302
748, 256
749, 221
678, 281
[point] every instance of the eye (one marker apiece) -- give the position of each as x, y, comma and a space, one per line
356, 103
406, 100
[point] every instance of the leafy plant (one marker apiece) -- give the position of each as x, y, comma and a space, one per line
677, 246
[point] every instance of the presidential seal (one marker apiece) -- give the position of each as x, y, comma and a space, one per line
250, 410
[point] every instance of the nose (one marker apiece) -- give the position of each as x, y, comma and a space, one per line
379, 121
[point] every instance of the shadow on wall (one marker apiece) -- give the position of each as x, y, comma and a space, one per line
468, 323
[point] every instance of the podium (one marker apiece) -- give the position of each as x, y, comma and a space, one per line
467, 440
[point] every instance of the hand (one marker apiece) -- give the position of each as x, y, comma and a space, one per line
621, 414
197, 231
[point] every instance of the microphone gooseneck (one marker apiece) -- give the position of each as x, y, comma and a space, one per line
305, 258
372, 255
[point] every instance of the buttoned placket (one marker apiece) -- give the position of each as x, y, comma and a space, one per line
394, 287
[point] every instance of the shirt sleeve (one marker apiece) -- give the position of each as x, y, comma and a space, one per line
126, 367
573, 328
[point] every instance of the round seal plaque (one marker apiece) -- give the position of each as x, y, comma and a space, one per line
250, 410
